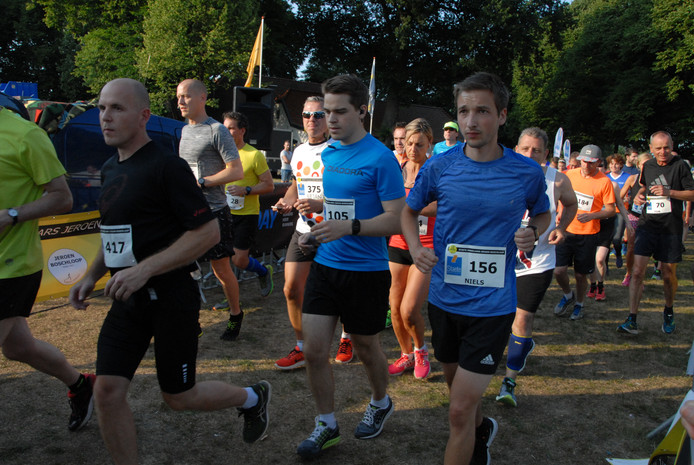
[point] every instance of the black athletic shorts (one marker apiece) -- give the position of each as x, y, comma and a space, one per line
606, 232
476, 344
358, 298
225, 247
17, 295
665, 248
400, 256
294, 253
578, 249
531, 288
169, 313
245, 229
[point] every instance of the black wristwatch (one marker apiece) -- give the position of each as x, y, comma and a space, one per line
356, 227
534, 228
14, 214
248, 190
201, 181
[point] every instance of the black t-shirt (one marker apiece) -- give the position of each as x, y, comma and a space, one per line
154, 195
675, 175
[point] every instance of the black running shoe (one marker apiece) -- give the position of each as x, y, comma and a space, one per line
81, 403
256, 418
233, 327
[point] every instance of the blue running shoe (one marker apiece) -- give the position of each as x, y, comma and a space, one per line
668, 323
629, 327
577, 314
564, 305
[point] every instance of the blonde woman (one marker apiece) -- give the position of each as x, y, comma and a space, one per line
409, 286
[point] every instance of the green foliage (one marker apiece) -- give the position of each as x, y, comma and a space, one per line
205, 39
674, 21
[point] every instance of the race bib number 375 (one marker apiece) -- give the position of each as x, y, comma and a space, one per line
475, 265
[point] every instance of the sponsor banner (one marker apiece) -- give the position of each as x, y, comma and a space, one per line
70, 245
275, 230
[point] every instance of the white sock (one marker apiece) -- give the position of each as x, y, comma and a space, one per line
424, 347
580, 304
345, 335
300, 345
383, 403
569, 295
328, 419
251, 400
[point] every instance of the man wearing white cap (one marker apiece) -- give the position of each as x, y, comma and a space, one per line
596, 201
450, 136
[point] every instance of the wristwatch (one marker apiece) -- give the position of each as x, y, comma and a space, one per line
534, 228
248, 190
14, 214
201, 181
356, 227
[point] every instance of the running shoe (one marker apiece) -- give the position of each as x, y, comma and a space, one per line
591, 292
405, 362
619, 261
344, 351
600, 294
295, 359
222, 306
233, 327
564, 305
81, 403
484, 436
266, 282
657, 274
629, 327
320, 439
421, 364
668, 323
389, 321
506, 395
624, 249
577, 314
256, 418
372, 423
627, 280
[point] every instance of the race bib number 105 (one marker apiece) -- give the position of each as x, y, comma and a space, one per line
339, 209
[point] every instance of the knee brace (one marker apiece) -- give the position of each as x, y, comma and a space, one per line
518, 350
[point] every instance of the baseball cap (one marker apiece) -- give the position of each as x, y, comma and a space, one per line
453, 125
590, 153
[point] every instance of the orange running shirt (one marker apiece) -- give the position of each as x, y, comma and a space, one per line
591, 193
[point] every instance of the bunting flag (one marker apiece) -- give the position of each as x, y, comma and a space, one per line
256, 56
372, 88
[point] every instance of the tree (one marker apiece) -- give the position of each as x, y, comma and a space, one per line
32, 52
421, 47
674, 20
210, 42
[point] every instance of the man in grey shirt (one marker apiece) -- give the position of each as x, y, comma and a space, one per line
211, 153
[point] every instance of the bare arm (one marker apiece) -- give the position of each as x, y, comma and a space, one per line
232, 172
57, 199
525, 237
285, 204
430, 210
385, 224
424, 258
83, 289
265, 185
631, 180
567, 197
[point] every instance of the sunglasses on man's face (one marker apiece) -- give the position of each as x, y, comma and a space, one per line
315, 114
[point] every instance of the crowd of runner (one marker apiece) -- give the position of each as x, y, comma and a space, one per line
476, 229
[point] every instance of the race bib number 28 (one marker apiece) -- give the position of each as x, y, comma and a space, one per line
475, 265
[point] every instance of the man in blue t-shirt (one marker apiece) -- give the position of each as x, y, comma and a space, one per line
472, 296
450, 138
349, 278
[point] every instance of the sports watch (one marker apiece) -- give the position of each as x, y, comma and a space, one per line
14, 214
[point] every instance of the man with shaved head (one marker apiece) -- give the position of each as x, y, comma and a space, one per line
154, 223
214, 159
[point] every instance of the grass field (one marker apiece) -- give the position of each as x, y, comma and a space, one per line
587, 392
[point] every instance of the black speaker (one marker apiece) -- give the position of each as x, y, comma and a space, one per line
257, 104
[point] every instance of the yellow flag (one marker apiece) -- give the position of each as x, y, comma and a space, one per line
256, 55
